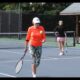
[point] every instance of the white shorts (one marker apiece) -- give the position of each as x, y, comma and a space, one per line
60, 38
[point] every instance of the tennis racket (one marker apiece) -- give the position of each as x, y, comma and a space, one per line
20, 62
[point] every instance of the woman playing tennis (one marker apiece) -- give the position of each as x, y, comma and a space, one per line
34, 39
61, 36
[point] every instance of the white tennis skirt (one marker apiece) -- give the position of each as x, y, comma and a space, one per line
60, 38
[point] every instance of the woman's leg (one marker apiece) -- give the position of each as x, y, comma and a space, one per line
38, 55
60, 47
62, 44
33, 66
36, 59
34, 70
58, 42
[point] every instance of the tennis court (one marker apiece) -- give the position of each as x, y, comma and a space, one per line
52, 65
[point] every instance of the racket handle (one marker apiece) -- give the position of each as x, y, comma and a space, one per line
24, 53
25, 50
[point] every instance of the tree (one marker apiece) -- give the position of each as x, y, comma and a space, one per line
38, 7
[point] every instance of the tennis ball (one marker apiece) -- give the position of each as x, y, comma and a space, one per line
41, 32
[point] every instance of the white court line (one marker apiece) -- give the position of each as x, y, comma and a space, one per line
10, 61
61, 58
7, 75
14, 52
11, 51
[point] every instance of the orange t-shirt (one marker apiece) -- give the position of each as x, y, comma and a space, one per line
36, 35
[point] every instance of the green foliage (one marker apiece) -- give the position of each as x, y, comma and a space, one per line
46, 8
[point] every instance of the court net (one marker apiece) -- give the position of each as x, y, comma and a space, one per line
17, 40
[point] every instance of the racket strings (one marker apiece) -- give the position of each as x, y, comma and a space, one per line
19, 66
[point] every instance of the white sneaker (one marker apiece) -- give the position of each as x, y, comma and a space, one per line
34, 75
61, 53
